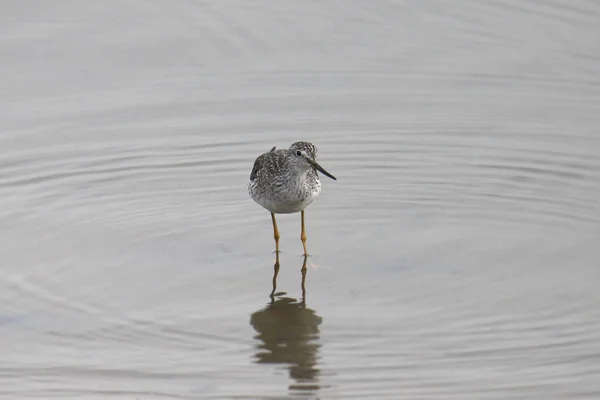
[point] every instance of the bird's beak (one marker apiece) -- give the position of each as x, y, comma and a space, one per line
321, 169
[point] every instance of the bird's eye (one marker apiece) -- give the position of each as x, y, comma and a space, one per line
298, 153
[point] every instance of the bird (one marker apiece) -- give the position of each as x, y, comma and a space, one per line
286, 181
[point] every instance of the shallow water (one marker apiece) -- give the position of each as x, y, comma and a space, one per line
455, 257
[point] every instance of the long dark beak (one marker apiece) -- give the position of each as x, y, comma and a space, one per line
322, 170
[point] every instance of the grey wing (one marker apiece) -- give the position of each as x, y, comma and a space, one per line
258, 165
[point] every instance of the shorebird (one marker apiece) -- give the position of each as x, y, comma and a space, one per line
286, 181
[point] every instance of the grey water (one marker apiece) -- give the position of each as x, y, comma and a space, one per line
456, 257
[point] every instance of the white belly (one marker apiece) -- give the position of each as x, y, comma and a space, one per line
284, 202
281, 207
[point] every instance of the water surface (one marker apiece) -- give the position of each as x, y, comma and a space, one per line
455, 257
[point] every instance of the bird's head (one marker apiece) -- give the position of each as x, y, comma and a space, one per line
304, 157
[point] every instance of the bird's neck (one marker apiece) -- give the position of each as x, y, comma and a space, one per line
308, 175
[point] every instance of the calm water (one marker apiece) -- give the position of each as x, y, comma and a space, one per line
456, 256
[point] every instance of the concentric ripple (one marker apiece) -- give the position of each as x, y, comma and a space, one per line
455, 256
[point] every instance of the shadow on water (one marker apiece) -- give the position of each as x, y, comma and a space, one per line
288, 334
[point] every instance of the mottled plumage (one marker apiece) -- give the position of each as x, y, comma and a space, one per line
283, 181
286, 181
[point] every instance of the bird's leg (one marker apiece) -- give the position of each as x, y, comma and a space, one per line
275, 233
303, 233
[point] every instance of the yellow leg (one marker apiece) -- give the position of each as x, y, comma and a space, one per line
275, 233
303, 233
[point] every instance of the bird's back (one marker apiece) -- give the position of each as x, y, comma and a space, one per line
268, 166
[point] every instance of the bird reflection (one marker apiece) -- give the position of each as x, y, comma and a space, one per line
276, 272
288, 334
